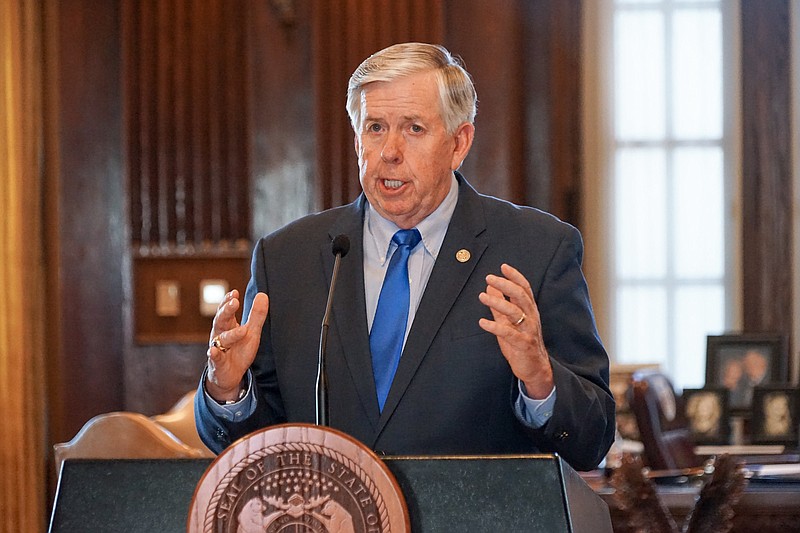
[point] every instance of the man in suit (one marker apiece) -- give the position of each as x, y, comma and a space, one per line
500, 352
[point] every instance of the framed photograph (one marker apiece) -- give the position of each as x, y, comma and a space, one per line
706, 412
775, 415
740, 363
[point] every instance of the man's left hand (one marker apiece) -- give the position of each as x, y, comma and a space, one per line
518, 329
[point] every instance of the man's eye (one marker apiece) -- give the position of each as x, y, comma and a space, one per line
416, 128
374, 127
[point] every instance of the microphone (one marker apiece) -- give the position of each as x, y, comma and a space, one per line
339, 247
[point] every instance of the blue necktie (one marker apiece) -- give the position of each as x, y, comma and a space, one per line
391, 316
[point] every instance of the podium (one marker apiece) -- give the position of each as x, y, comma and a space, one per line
535, 493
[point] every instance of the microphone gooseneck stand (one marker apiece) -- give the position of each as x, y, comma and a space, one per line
340, 246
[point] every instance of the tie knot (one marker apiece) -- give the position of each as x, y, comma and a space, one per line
407, 237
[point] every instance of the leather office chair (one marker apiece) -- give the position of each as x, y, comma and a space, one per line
665, 434
122, 435
179, 421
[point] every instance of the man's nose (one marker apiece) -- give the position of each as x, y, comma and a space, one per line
392, 151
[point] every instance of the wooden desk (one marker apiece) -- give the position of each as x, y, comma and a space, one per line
763, 508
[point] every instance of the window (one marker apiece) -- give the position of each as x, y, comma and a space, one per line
661, 91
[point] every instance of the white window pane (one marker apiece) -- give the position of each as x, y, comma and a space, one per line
697, 74
639, 75
699, 216
699, 312
641, 329
640, 213
634, 2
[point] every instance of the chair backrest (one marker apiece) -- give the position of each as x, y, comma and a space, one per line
667, 440
122, 435
179, 421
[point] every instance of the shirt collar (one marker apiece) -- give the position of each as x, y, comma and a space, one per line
432, 229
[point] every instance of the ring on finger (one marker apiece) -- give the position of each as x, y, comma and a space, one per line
521, 320
216, 343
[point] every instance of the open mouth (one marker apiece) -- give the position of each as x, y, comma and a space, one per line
392, 184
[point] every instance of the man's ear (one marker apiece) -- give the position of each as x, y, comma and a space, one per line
463, 142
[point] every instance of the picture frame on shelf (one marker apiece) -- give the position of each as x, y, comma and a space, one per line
707, 413
774, 418
742, 362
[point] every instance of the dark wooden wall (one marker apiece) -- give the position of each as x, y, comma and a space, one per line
86, 231
767, 166
525, 58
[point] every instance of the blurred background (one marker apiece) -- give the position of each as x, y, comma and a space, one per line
145, 145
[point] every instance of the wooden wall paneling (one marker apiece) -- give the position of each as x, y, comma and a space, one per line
536, 69
165, 90
325, 22
552, 84
187, 137
85, 236
766, 167
190, 325
179, 54
198, 97
491, 49
235, 133
202, 71
281, 116
181, 115
23, 312
565, 110
131, 55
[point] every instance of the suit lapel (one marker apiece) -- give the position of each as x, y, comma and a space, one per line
349, 306
448, 278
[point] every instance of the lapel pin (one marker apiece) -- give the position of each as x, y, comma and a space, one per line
463, 255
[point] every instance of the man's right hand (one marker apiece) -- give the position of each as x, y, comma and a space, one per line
229, 360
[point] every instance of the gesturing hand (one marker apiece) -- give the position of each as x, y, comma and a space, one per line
232, 347
518, 329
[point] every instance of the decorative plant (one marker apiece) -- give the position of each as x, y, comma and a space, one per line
713, 512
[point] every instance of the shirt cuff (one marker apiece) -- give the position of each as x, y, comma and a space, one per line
535, 412
234, 412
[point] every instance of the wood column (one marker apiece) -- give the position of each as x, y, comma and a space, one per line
22, 310
766, 167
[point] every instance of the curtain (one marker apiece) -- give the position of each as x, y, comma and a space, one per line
22, 448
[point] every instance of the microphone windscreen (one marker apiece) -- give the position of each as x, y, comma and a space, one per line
340, 245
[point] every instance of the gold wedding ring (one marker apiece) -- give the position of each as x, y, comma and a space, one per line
216, 343
521, 320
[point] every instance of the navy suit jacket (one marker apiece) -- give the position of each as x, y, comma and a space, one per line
453, 392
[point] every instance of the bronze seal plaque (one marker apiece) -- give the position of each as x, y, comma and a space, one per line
298, 478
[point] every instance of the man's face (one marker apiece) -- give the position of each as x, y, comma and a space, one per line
405, 156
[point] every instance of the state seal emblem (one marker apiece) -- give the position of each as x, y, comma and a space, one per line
297, 478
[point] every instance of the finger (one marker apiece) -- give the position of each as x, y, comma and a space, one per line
504, 313
231, 337
227, 339
499, 306
230, 295
258, 312
516, 276
225, 317
528, 302
510, 289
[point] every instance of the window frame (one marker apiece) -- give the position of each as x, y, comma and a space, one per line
599, 164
